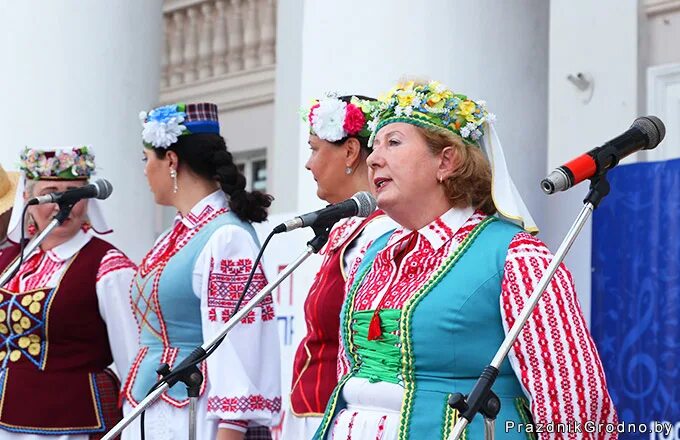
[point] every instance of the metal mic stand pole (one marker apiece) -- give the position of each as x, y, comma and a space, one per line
189, 376
481, 398
64, 211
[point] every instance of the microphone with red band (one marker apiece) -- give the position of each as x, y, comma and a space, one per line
645, 134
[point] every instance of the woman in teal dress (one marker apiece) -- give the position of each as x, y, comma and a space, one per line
430, 303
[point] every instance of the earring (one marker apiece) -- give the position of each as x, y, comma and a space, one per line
31, 227
440, 179
173, 176
348, 170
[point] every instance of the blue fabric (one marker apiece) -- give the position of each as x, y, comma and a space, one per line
196, 127
636, 292
180, 309
449, 352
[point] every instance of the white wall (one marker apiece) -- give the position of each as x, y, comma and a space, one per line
600, 39
497, 51
78, 72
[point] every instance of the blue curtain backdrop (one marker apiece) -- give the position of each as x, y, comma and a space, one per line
636, 291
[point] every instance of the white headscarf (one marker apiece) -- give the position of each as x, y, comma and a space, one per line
94, 213
507, 199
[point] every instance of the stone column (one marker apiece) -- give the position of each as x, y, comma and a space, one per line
78, 72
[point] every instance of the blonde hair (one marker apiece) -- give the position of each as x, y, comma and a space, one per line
470, 183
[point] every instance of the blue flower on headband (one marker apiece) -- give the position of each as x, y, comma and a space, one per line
163, 125
165, 113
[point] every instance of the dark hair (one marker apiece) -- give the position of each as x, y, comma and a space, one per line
363, 140
206, 155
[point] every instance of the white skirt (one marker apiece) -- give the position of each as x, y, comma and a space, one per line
163, 421
299, 428
372, 411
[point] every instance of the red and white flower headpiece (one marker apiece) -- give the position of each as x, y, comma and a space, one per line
333, 119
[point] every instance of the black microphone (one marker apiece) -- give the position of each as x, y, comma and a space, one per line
362, 204
645, 134
99, 189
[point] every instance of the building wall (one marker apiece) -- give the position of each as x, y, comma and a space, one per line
586, 37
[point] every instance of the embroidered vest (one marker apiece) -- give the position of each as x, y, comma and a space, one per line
448, 331
52, 343
314, 366
169, 313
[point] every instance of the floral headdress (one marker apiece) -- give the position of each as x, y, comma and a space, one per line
333, 119
433, 105
164, 125
63, 164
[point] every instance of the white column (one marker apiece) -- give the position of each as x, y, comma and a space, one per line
78, 72
497, 51
605, 49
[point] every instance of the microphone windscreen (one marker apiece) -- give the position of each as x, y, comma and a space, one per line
653, 128
366, 203
104, 188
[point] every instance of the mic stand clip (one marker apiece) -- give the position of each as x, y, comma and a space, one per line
57, 220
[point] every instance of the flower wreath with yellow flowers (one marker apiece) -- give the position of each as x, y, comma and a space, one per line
436, 106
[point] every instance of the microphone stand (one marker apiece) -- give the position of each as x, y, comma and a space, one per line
481, 399
190, 374
59, 218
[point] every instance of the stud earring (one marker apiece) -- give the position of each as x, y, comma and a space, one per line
348, 170
173, 176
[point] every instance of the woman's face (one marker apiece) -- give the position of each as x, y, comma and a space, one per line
43, 214
402, 171
157, 172
327, 164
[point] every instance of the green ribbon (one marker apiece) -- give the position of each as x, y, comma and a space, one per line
380, 360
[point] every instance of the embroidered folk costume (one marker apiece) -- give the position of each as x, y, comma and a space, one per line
426, 311
61, 320
315, 364
185, 291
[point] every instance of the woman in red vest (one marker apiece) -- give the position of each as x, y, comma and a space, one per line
62, 313
339, 129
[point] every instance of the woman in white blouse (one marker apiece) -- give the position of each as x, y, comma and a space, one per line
188, 284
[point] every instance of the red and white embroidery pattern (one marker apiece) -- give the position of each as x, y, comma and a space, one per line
554, 356
225, 285
243, 404
114, 260
417, 266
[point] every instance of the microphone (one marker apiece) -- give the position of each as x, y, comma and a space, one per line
645, 134
99, 189
362, 204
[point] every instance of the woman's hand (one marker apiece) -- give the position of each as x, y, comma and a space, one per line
229, 434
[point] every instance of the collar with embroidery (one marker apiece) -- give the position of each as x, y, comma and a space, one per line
439, 231
206, 206
68, 249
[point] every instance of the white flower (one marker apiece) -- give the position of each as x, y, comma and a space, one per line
398, 110
408, 111
476, 134
372, 124
163, 134
469, 128
416, 101
328, 119
490, 118
142, 117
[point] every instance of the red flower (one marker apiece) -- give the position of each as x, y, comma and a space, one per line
311, 111
354, 120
